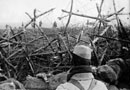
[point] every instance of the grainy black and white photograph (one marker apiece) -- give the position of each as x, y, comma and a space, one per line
64, 44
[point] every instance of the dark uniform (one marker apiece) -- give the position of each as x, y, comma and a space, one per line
115, 72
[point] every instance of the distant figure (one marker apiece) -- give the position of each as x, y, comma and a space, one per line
22, 24
80, 76
40, 24
55, 25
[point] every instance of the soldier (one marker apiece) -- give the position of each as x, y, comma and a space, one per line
115, 72
80, 76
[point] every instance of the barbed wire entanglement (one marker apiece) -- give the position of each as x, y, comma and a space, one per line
28, 51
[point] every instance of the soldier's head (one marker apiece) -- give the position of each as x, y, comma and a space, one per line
81, 55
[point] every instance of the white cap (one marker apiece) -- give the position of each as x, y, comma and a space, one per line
83, 51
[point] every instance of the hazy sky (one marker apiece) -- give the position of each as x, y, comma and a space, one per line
13, 11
